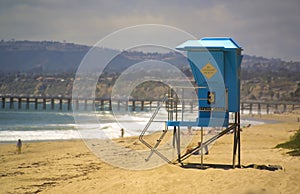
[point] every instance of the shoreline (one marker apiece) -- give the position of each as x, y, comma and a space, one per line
38, 141
74, 134
265, 120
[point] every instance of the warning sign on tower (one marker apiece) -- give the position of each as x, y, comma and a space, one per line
208, 70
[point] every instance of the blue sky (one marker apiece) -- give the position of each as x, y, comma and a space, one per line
269, 28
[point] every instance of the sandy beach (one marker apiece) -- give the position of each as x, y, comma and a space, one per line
70, 167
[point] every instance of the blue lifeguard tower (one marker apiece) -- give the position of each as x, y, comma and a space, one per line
215, 64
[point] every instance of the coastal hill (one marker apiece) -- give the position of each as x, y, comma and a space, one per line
48, 68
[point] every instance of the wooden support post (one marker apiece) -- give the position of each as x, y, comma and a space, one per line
182, 102
175, 108
3, 103
268, 107
126, 105
36, 103
239, 139
176, 140
109, 105
171, 101
259, 109
11, 103
201, 147
250, 110
85, 104
142, 105
102, 105
27, 103
133, 105
20, 103
118, 107
44, 103
77, 104
60, 104
284, 108
178, 144
52, 103
93, 105
150, 105
242, 108
234, 140
69, 103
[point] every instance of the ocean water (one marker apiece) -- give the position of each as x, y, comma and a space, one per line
40, 125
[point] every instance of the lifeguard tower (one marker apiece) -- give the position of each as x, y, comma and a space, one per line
215, 64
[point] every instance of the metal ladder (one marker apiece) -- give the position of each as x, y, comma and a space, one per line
153, 149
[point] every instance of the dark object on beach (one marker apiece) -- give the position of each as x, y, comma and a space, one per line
198, 152
19, 146
205, 147
264, 167
122, 132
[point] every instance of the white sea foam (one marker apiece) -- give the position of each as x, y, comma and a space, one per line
105, 126
39, 135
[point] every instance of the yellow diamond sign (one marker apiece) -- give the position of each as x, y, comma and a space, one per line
208, 70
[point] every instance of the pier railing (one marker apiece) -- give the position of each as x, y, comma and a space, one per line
10, 102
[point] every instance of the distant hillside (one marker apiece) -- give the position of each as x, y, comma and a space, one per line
56, 57
48, 57
270, 79
40, 57
48, 67
259, 66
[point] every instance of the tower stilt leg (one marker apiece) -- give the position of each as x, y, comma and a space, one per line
201, 147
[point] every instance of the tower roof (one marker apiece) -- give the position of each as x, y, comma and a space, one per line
209, 43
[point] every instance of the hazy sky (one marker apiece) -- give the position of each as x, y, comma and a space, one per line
269, 28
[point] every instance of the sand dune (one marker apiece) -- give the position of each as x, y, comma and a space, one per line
70, 167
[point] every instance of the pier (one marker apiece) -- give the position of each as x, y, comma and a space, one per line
101, 104
268, 107
8, 102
